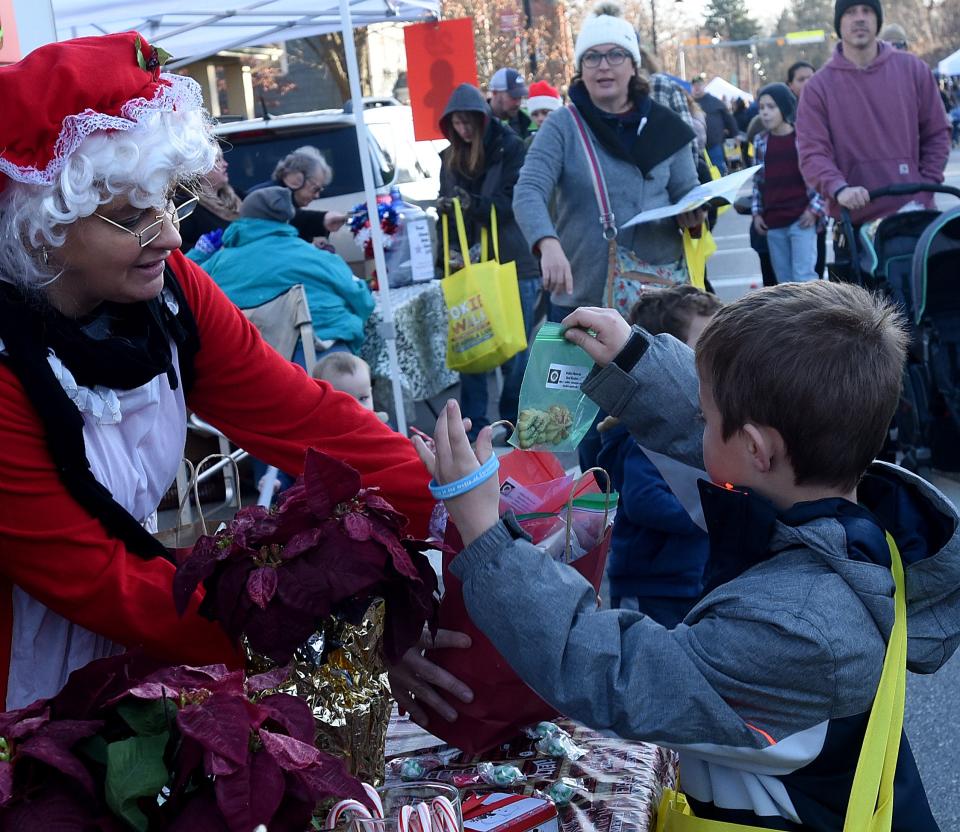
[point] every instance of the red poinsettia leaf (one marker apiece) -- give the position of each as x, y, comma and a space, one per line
6, 783
249, 796
262, 585
328, 777
356, 526
53, 745
328, 482
375, 503
278, 631
200, 813
290, 713
221, 725
197, 567
399, 556
269, 680
28, 726
100, 682
302, 542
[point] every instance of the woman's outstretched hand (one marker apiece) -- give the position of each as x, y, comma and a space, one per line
416, 681
453, 458
610, 332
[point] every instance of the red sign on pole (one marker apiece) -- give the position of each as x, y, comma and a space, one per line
9, 45
440, 57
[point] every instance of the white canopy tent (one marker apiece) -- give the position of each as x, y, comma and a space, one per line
725, 90
194, 29
950, 65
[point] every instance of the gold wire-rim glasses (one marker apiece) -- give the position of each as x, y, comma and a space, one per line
177, 214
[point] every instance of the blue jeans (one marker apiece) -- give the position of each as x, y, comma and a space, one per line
793, 252
473, 386
718, 158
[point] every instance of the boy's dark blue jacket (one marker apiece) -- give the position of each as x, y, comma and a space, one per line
657, 550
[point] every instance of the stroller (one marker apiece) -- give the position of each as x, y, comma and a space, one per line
913, 258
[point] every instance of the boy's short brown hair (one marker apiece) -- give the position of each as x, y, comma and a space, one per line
339, 364
820, 362
671, 310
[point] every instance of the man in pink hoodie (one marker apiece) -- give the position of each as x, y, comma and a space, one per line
871, 117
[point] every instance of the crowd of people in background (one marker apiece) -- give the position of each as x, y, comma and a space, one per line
518, 156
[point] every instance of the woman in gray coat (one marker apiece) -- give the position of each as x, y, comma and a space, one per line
643, 150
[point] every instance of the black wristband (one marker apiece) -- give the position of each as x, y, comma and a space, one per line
632, 351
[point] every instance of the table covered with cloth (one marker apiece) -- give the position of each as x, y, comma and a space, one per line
617, 783
420, 317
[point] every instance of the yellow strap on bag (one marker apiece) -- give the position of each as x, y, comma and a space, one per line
870, 808
484, 316
696, 251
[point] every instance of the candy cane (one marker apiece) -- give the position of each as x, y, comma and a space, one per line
403, 821
424, 821
374, 797
445, 815
355, 807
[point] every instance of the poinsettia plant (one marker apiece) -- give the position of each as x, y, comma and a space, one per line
274, 575
128, 744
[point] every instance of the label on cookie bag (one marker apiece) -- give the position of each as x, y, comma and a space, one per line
566, 376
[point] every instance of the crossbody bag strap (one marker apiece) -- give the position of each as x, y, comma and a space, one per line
871, 797
607, 218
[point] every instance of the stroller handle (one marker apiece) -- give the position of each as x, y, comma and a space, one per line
904, 189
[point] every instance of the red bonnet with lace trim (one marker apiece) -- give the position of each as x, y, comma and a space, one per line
62, 92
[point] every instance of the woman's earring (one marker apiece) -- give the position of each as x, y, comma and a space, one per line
45, 256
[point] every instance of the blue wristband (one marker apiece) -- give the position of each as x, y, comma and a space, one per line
467, 483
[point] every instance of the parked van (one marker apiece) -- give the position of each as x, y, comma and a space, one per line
254, 146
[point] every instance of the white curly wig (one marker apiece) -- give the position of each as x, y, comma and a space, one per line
141, 164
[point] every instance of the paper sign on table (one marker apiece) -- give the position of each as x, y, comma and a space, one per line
718, 192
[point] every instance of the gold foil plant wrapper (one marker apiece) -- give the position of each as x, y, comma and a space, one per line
340, 674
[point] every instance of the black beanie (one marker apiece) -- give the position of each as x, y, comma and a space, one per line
843, 5
784, 98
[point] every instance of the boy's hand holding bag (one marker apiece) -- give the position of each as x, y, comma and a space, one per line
484, 316
502, 702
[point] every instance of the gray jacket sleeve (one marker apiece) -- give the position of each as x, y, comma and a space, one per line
617, 669
683, 173
659, 400
538, 177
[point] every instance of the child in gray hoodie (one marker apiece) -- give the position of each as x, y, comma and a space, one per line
766, 687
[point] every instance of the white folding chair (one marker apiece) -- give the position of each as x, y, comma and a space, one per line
283, 321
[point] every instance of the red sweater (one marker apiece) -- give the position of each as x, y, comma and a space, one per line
62, 556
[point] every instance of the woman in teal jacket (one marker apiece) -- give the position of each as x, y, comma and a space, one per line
262, 256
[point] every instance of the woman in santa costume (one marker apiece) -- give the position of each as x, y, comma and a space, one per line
107, 335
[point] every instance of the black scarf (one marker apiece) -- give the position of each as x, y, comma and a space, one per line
122, 346
662, 135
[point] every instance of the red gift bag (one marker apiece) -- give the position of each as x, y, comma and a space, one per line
502, 703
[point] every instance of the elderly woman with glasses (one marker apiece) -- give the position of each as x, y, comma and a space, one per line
642, 150
108, 334
306, 173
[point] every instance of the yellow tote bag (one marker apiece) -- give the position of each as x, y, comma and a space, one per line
871, 798
484, 316
696, 251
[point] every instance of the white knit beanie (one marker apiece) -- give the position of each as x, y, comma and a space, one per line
607, 25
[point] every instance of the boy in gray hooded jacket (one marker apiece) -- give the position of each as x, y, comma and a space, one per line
766, 687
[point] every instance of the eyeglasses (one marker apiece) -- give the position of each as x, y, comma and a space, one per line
176, 211
314, 187
614, 57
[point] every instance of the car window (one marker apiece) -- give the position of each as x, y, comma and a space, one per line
253, 157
